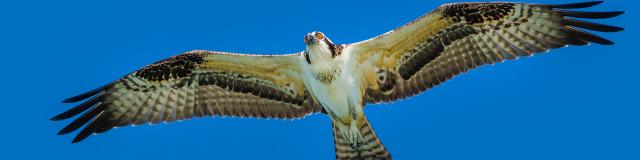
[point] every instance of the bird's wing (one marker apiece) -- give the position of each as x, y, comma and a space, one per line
195, 84
455, 38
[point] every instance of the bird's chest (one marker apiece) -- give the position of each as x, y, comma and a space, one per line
335, 89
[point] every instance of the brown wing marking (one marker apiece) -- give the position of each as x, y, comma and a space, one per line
194, 84
458, 37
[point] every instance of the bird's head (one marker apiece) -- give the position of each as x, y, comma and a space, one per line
319, 47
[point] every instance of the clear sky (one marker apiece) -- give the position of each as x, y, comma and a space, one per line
574, 103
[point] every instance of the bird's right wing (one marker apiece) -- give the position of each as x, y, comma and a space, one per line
195, 84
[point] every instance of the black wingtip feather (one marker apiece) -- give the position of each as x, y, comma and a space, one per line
577, 33
79, 109
82, 120
87, 94
96, 122
590, 15
575, 41
576, 5
591, 25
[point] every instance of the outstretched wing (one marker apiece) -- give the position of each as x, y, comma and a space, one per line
458, 37
195, 84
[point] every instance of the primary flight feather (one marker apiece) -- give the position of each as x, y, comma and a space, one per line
336, 79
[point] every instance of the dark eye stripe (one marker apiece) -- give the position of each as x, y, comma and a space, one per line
332, 47
306, 57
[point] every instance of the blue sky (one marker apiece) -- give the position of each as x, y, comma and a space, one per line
574, 103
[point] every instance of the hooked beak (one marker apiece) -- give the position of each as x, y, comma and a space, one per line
309, 39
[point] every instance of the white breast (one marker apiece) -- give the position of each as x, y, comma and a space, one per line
342, 95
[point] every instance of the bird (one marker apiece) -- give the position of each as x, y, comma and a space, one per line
337, 80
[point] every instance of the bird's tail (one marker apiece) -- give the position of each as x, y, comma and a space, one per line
366, 146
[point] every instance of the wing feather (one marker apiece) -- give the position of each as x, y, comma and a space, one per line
194, 84
456, 38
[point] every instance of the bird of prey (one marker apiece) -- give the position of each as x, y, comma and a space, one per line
337, 80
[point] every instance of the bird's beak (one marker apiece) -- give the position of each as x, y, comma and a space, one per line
309, 39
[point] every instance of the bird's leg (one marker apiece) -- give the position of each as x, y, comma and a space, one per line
354, 131
354, 135
351, 133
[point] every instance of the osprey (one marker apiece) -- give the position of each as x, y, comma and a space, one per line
336, 79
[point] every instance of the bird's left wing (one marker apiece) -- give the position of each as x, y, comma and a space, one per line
458, 37
195, 84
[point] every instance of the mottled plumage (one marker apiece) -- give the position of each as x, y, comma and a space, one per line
338, 80
195, 84
458, 37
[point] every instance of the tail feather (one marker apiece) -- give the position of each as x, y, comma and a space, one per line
366, 147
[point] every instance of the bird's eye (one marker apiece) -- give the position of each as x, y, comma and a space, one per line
319, 36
